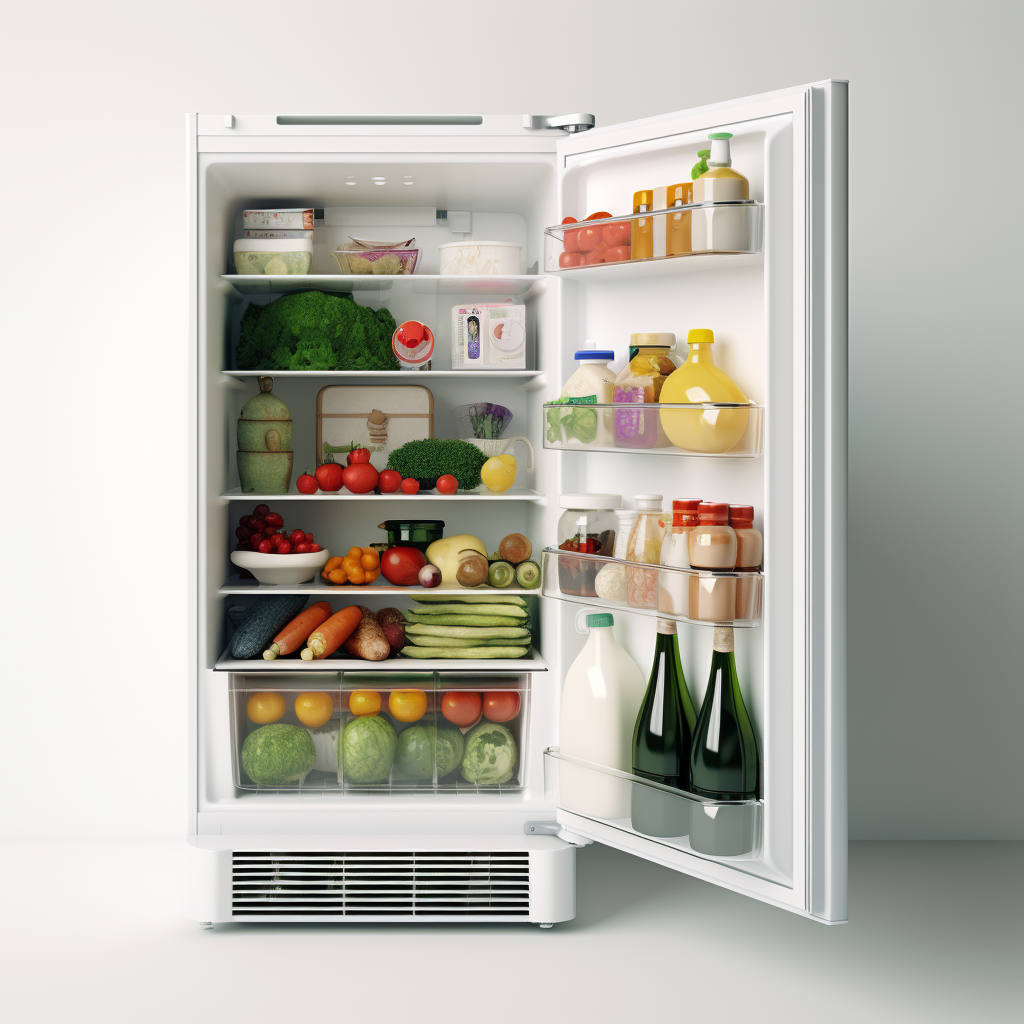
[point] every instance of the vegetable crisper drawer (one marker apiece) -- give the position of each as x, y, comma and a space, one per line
403, 734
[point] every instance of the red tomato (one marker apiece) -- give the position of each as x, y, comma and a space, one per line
360, 477
297, 536
284, 548
461, 707
410, 486
570, 259
597, 255
260, 511
501, 705
447, 484
401, 566
315, 547
358, 456
242, 533
249, 522
617, 234
307, 484
328, 476
302, 548
589, 238
308, 538
389, 481
256, 538
618, 254
266, 548
274, 520
569, 243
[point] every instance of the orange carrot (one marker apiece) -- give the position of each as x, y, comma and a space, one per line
298, 630
333, 633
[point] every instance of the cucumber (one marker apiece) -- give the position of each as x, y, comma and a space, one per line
465, 652
452, 641
465, 620
466, 632
510, 610
528, 575
471, 597
267, 617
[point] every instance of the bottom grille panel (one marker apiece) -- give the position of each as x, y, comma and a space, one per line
380, 884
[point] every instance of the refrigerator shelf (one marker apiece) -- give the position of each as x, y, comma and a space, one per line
717, 430
530, 662
389, 375
513, 494
711, 829
520, 286
234, 584
697, 596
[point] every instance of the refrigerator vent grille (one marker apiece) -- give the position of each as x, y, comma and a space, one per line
310, 885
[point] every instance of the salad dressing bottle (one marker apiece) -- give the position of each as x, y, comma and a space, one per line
644, 545
721, 229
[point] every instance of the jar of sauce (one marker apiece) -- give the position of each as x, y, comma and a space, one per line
587, 526
644, 545
674, 587
749, 554
712, 545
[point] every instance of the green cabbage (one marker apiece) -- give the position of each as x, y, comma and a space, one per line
450, 746
366, 749
278, 754
490, 757
419, 748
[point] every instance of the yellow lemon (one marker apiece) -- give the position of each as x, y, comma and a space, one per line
499, 473
314, 709
265, 707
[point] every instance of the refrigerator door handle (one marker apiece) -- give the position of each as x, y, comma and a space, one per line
552, 828
571, 123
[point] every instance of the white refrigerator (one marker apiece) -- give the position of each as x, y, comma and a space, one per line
446, 849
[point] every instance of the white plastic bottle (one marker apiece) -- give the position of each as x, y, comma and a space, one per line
593, 381
601, 699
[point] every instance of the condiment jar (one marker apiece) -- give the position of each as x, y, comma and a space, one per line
677, 225
713, 547
588, 526
638, 383
749, 553
644, 545
642, 235
673, 587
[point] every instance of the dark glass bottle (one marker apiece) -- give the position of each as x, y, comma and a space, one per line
661, 742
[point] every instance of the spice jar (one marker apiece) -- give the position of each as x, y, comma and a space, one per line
588, 526
712, 546
749, 552
674, 587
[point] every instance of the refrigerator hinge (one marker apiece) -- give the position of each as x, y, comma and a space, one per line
570, 123
552, 828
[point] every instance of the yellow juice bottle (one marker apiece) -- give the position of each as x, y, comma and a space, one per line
642, 241
677, 225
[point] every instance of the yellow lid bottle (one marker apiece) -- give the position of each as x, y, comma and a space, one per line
698, 380
642, 240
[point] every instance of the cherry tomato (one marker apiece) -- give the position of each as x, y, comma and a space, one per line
360, 477
447, 484
407, 705
410, 486
274, 520
308, 538
400, 566
260, 511
364, 702
307, 484
617, 254
249, 522
501, 705
302, 548
461, 707
257, 538
266, 548
328, 476
242, 533
570, 259
617, 234
389, 481
284, 548
358, 456
297, 536
314, 547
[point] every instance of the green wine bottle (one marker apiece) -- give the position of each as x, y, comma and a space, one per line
661, 742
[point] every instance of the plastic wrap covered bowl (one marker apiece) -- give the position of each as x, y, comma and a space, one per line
376, 261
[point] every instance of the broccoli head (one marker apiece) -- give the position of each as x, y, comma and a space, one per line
316, 331
432, 457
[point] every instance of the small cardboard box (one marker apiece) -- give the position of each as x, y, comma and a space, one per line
489, 335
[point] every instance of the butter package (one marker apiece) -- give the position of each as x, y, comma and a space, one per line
489, 335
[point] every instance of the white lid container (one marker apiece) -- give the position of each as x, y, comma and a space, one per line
595, 501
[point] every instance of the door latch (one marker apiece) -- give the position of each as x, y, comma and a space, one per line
570, 123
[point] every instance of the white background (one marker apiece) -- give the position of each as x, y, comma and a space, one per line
94, 342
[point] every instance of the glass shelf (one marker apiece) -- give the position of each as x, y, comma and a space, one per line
722, 430
697, 229
713, 829
683, 595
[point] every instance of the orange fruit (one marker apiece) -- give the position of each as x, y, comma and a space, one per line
407, 705
263, 708
364, 702
313, 709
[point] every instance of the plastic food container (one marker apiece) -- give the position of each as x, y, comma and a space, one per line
273, 255
480, 258
587, 525
413, 533
376, 261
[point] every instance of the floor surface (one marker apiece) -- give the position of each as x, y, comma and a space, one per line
936, 933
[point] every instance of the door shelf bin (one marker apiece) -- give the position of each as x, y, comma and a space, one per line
434, 759
717, 430
697, 229
684, 595
712, 829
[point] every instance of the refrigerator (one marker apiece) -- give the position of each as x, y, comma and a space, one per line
444, 847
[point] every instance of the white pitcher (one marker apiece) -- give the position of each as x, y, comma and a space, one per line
501, 446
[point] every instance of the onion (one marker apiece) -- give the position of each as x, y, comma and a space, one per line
430, 576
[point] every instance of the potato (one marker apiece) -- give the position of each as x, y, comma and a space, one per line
444, 554
368, 641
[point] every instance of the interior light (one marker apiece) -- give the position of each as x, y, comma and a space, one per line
408, 183
378, 178
349, 182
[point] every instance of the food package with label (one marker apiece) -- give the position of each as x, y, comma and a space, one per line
489, 335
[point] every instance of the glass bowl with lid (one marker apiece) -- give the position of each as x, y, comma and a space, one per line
587, 525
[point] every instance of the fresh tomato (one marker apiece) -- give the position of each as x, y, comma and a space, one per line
328, 476
314, 709
410, 486
447, 484
358, 456
274, 520
570, 259
284, 548
360, 477
461, 707
589, 238
297, 536
617, 234
260, 511
308, 537
266, 548
307, 484
617, 254
389, 481
263, 708
501, 705
302, 548
257, 538
400, 566
249, 522
364, 702
569, 242
407, 705
314, 547
597, 255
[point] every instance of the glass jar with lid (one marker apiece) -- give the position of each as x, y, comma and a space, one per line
587, 525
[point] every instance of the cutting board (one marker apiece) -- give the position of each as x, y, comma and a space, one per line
379, 417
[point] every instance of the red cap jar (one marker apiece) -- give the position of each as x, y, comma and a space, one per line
713, 542
684, 511
749, 543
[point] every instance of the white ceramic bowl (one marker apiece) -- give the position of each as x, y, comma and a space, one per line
480, 258
281, 568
